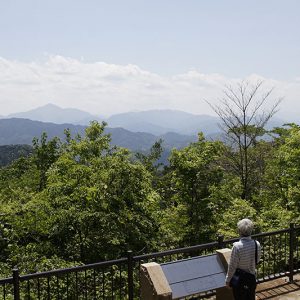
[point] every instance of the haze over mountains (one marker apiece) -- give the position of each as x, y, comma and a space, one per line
55, 114
163, 121
133, 130
22, 131
156, 122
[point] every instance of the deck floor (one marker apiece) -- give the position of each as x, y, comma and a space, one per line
279, 289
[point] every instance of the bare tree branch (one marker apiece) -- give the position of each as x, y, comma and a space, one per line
244, 117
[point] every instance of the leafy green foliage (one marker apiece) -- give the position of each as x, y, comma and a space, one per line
283, 170
45, 153
9, 153
84, 200
193, 170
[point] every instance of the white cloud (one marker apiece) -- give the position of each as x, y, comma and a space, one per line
105, 89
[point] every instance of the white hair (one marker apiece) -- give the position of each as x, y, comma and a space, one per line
245, 227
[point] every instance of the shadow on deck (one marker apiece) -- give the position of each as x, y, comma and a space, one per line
279, 289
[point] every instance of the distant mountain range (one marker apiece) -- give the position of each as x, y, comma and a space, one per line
22, 131
133, 130
55, 114
163, 121
156, 122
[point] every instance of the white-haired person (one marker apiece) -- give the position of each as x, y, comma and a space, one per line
245, 255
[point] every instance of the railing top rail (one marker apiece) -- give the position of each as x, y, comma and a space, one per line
6, 281
206, 246
176, 251
259, 235
263, 234
231, 241
72, 269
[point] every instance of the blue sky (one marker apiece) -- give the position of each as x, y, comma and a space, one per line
156, 42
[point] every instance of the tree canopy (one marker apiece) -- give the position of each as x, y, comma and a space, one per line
82, 200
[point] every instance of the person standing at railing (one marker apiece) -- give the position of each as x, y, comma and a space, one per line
245, 255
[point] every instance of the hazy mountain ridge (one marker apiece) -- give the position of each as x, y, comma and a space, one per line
163, 121
156, 122
22, 131
137, 131
55, 114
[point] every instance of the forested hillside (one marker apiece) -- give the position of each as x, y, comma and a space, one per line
9, 153
22, 131
81, 200
84, 201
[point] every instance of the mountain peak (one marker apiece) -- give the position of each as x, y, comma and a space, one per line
163, 121
55, 114
50, 105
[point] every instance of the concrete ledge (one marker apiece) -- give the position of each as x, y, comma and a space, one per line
154, 285
224, 293
224, 255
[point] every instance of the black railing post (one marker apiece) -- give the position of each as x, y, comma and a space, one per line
291, 255
16, 283
220, 241
130, 274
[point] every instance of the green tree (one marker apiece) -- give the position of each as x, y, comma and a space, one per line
150, 160
104, 203
193, 170
283, 168
95, 204
45, 153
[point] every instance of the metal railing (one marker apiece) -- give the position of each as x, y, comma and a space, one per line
119, 279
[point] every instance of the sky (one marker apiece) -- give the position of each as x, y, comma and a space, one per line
108, 57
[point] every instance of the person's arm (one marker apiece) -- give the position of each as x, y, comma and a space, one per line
233, 263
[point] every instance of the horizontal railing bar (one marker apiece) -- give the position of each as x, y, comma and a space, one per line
230, 241
176, 251
73, 269
263, 234
6, 281
207, 246
258, 235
